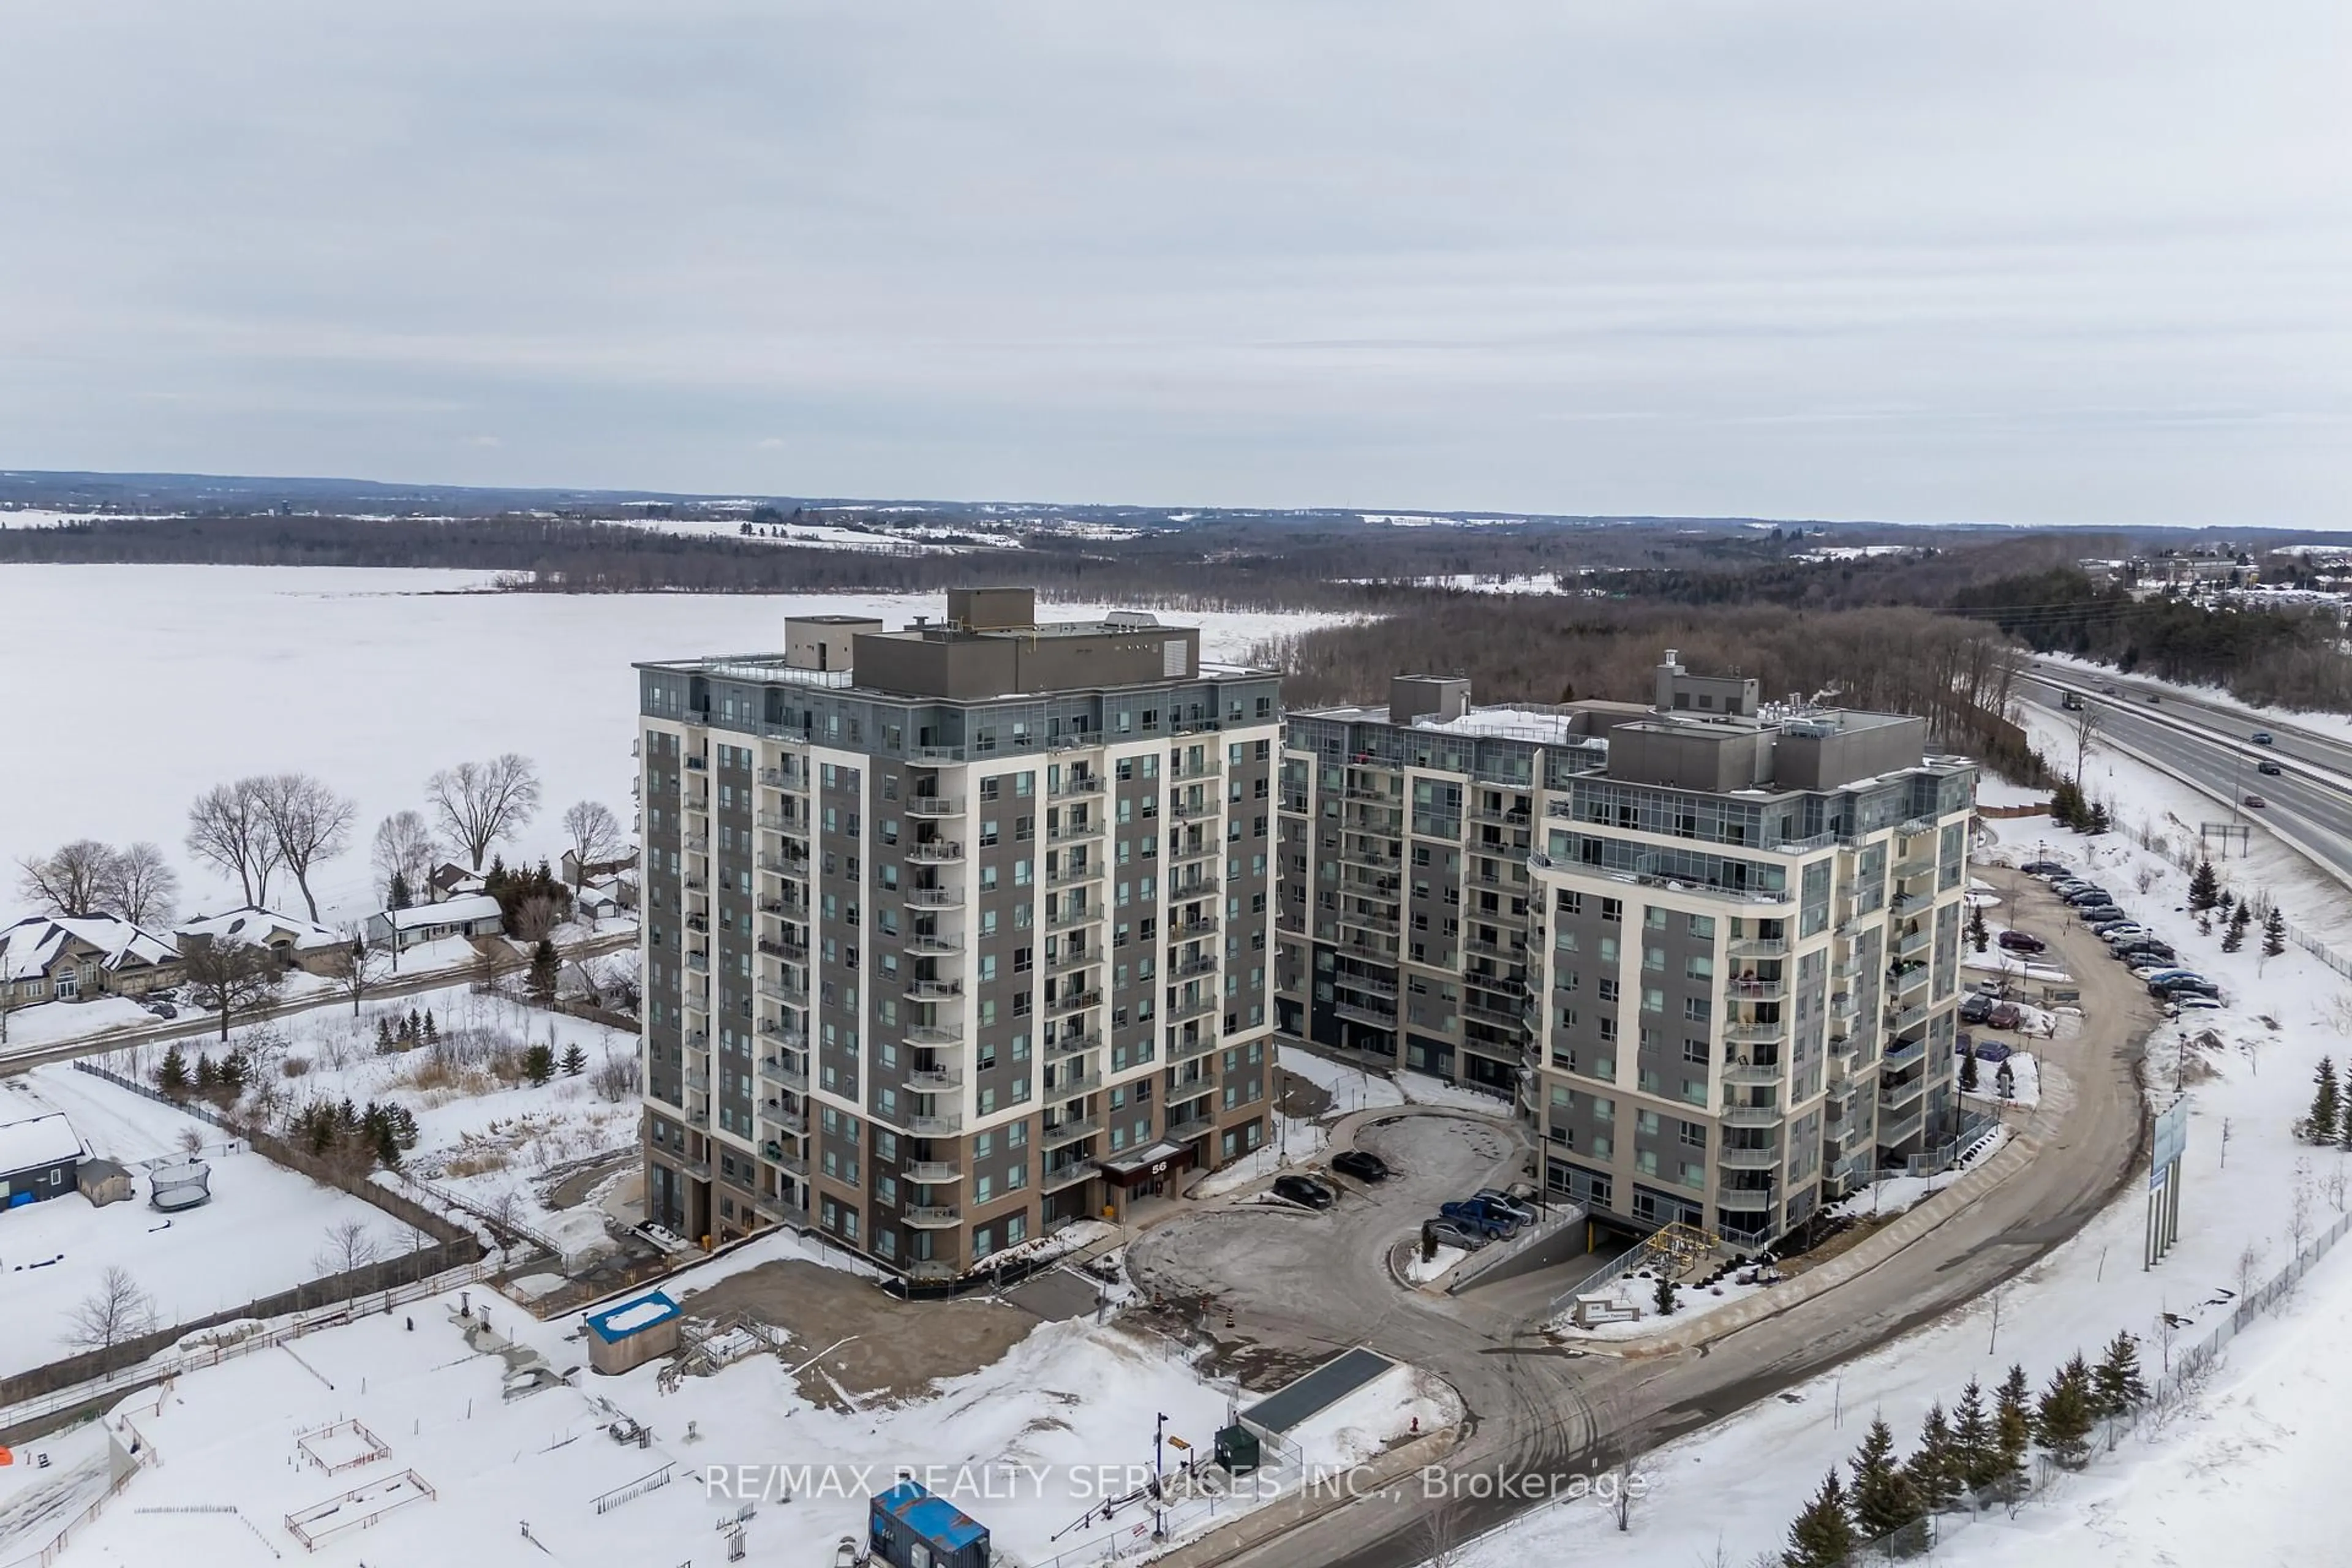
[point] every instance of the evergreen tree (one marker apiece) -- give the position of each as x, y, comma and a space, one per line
2064, 1417
407, 1033
431, 1035
2116, 1384
1976, 1451
207, 1075
2012, 1430
541, 982
384, 1041
347, 1116
1822, 1536
2066, 804
538, 1064
2327, 1104
2204, 888
2234, 937
1979, 938
1663, 1297
2097, 821
1935, 1470
1883, 1501
1968, 1071
416, 1026
2225, 903
236, 1069
2273, 933
399, 896
172, 1077
576, 1060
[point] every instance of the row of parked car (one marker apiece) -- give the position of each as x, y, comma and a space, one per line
1316, 1192
2151, 958
1490, 1213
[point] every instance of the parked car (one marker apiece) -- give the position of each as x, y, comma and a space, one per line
1976, 1008
2095, 915
2261, 737
2148, 953
2192, 1002
2158, 971
2087, 894
2172, 985
1362, 1165
2045, 868
2272, 769
1304, 1190
2022, 941
1446, 1233
2102, 924
1522, 1212
2122, 934
2255, 803
2004, 1016
161, 1009
1476, 1214
1990, 1050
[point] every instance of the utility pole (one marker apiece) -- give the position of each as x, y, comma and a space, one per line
1159, 1512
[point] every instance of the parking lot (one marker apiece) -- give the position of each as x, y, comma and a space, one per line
1309, 1283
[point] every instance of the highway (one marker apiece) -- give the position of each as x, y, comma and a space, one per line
2307, 806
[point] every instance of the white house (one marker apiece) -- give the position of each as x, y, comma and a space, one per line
469, 914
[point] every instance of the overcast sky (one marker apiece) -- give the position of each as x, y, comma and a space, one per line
2073, 262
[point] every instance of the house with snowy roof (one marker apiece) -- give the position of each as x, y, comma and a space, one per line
298, 943
65, 958
468, 914
451, 880
40, 1155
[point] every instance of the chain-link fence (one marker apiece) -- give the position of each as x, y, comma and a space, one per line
2184, 1371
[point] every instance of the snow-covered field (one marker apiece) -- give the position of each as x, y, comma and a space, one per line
264, 1230
371, 679
2217, 1486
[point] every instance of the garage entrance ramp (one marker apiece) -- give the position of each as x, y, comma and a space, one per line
1325, 1386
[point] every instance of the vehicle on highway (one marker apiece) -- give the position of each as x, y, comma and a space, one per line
2107, 691
2255, 801
1517, 1208
1304, 1190
2071, 701
2272, 769
2152, 697
1362, 1165
1445, 1233
1478, 1215
2261, 737
2022, 941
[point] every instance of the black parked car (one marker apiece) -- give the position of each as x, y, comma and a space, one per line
1304, 1190
2182, 984
1976, 1008
2043, 867
2148, 951
1361, 1164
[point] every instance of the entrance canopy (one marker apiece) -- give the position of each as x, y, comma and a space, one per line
1149, 1163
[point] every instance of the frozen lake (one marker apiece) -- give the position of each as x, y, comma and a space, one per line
165, 680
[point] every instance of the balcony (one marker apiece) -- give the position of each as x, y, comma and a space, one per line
1377, 1017
1064, 1133
933, 1173
1896, 1096
698, 960
1752, 1115
1181, 1049
934, 1080
1893, 1132
777, 822
933, 851
1184, 854
930, 1217
784, 992
931, 806
1200, 887
790, 952
784, 1033
1752, 1074
1907, 979
931, 898
1187, 969
926, 1035
1066, 1046
1075, 833
1075, 785
1907, 1018
1195, 810
1902, 1052
1072, 958
933, 944
1743, 1200
1189, 1007
1757, 1032
1073, 915
1185, 1132
774, 1113
1363, 855
1068, 1173
1370, 985
1066, 875
935, 1124
920, 990
1068, 1085
1074, 1001
1187, 930
1729, 1158
1755, 990
780, 1074
1759, 947
1917, 943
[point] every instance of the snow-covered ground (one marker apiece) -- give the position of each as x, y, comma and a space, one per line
1029, 1445
2198, 1494
264, 1231
372, 680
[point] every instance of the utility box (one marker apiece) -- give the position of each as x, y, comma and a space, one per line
1237, 1450
906, 1527
633, 1333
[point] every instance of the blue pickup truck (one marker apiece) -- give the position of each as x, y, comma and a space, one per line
1483, 1216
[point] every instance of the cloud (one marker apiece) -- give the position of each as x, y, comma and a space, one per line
1826, 258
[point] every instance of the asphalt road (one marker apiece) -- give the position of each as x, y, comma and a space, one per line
1537, 1413
2211, 747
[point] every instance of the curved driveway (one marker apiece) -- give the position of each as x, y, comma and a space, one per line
1536, 1413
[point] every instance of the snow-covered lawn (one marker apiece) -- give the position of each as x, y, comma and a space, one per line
1639, 1296
372, 680
1422, 1090
264, 1231
1351, 1087
1029, 1445
2246, 1070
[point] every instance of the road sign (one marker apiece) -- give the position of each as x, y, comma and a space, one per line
2171, 1139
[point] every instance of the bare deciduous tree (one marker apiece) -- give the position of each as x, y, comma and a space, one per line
478, 804
308, 823
2298, 1218
70, 880
356, 968
591, 833
116, 1311
350, 1245
230, 977
403, 848
141, 884
535, 918
228, 827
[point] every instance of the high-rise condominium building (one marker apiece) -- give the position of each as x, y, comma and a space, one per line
952, 933
1403, 872
1744, 953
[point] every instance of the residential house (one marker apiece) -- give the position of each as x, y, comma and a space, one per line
64, 958
298, 943
577, 875
451, 880
39, 1157
468, 914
